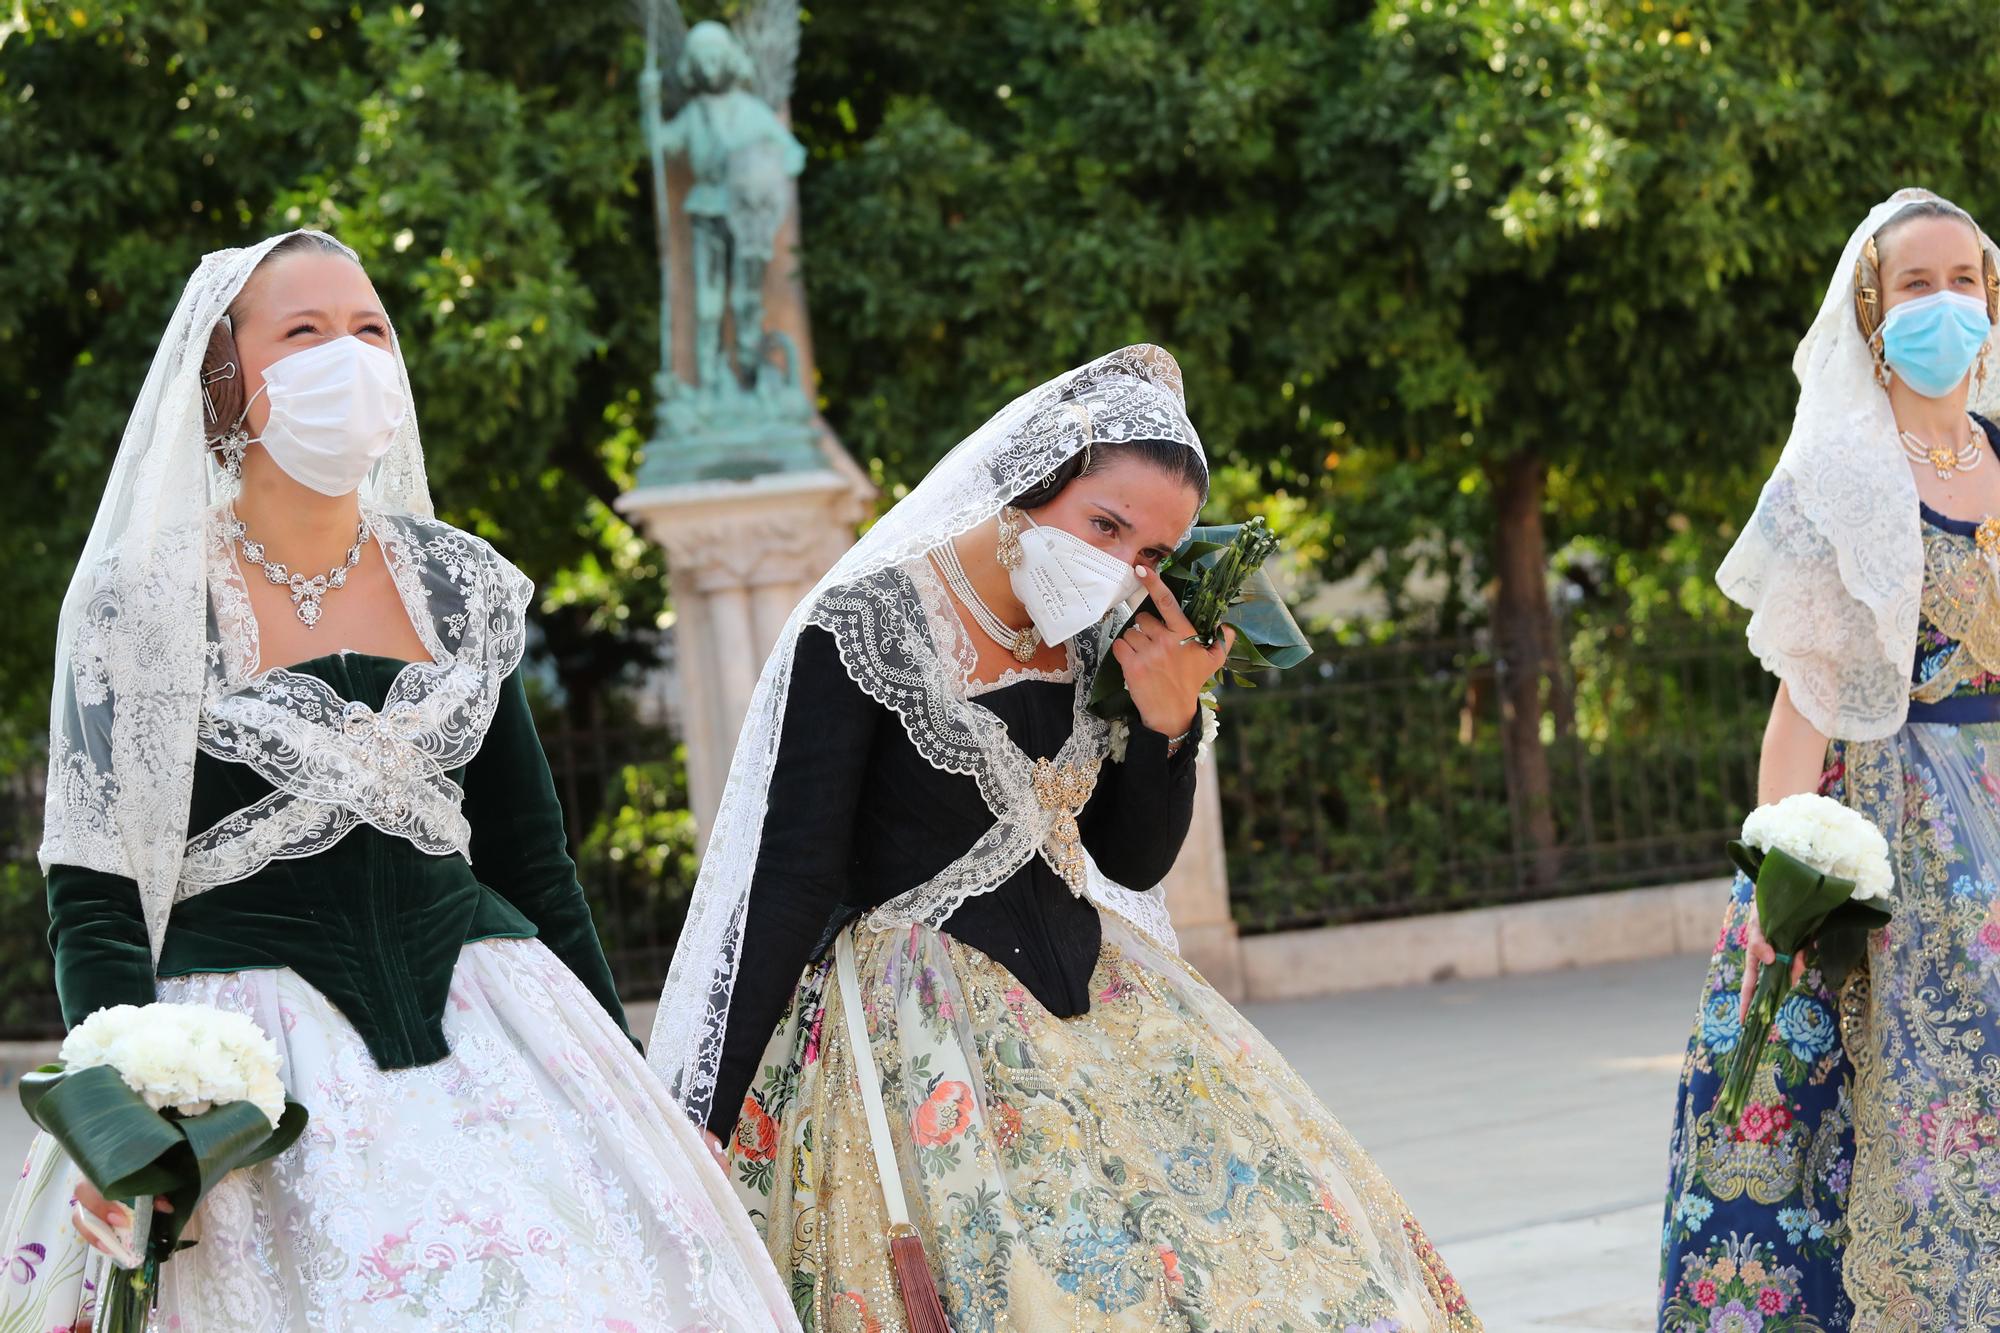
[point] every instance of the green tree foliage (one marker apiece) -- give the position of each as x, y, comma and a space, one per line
1439, 273
1461, 282
479, 156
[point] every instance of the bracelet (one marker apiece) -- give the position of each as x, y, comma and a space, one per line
1174, 745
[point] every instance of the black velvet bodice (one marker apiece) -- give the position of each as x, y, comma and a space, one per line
857, 816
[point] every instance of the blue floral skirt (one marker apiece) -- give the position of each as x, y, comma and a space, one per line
1756, 1216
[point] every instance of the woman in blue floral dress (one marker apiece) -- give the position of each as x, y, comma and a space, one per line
1861, 1187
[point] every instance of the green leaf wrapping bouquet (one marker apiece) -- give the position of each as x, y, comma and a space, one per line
162, 1100
1217, 575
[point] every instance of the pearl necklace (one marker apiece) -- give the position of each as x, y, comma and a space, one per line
307, 593
1020, 642
1945, 461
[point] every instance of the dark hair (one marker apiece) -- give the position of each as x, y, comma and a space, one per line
1177, 460
225, 394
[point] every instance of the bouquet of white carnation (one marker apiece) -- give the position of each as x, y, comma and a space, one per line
164, 1099
1823, 878
181, 1057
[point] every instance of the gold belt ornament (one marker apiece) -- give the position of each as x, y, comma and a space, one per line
1064, 789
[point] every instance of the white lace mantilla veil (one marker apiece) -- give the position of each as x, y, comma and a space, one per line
1831, 564
156, 656
901, 642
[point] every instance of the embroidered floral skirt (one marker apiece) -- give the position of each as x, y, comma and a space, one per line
1862, 1190
1152, 1164
537, 1178
1756, 1215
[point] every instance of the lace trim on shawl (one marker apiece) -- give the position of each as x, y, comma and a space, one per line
1014, 676
86, 815
336, 763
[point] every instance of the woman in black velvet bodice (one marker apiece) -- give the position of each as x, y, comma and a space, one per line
858, 816
946, 1022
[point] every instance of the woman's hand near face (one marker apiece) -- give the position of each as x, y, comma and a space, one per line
1164, 670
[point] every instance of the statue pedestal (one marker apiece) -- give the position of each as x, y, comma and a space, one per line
740, 556
1198, 893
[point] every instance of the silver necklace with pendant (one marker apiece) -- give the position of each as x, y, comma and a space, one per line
307, 593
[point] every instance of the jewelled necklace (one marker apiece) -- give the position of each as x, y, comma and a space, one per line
307, 593
1945, 461
1020, 642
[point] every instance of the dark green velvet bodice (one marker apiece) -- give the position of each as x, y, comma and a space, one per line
372, 922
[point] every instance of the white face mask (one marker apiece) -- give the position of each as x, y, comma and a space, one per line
1067, 584
335, 410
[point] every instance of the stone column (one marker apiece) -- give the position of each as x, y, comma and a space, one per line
1198, 892
740, 556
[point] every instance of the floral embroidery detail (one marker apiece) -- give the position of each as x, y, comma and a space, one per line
1059, 1190
1737, 1285
756, 1132
1006, 1126
1806, 1028
945, 1115
26, 1260
1762, 1122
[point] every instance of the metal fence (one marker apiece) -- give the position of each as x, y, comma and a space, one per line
1370, 785
1378, 786
624, 797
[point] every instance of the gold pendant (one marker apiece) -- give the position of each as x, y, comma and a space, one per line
1024, 646
1064, 789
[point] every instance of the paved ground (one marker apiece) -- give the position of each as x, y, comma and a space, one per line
1524, 1119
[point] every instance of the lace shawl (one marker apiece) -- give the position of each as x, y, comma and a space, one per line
1831, 565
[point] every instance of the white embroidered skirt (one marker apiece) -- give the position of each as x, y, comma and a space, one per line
537, 1178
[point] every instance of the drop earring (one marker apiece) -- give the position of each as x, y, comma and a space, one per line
1008, 551
231, 448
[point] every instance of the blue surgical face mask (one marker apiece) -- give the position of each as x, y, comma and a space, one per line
1931, 342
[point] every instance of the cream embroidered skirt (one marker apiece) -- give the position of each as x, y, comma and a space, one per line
537, 1178
1152, 1164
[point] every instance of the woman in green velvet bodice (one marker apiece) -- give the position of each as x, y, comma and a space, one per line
293, 772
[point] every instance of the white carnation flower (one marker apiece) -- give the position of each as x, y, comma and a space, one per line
182, 1057
1211, 723
1121, 736
1826, 835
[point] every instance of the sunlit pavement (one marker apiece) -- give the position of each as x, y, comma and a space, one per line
1524, 1119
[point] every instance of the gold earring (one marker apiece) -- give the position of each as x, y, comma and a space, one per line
1008, 552
1881, 361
